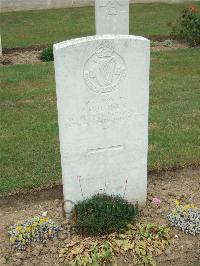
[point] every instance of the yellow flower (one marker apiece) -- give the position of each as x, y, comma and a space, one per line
18, 228
34, 224
186, 207
20, 237
28, 229
177, 203
12, 239
41, 220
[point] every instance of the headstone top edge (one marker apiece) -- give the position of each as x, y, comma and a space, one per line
72, 42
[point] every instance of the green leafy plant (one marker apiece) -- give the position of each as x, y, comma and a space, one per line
102, 214
47, 54
188, 26
89, 252
143, 242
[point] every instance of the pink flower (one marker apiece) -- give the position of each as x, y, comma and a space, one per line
156, 201
78, 178
192, 8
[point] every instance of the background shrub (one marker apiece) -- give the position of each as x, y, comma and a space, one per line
102, 214
188, 26
47, 54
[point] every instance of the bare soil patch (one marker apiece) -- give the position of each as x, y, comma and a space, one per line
30, 55
159, 46
13, 57
183, 184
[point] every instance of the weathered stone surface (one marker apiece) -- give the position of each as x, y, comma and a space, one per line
112, 16
102, 86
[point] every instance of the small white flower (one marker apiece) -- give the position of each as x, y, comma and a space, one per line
44, 214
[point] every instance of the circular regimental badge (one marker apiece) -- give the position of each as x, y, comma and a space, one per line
105, 69
112, 6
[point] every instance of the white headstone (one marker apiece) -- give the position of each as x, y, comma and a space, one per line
112, 16
102, 86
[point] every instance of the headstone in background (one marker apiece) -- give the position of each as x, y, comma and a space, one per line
112, 16
102, 85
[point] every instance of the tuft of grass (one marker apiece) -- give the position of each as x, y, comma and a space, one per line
29, 142
47, 54
45, 27
102, 214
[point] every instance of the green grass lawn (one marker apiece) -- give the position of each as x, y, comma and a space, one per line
29, 142
27, 28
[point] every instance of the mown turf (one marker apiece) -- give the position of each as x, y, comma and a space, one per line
43, 27
29, 142
174, 109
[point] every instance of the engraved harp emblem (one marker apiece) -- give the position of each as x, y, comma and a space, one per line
106, 72
105, 69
